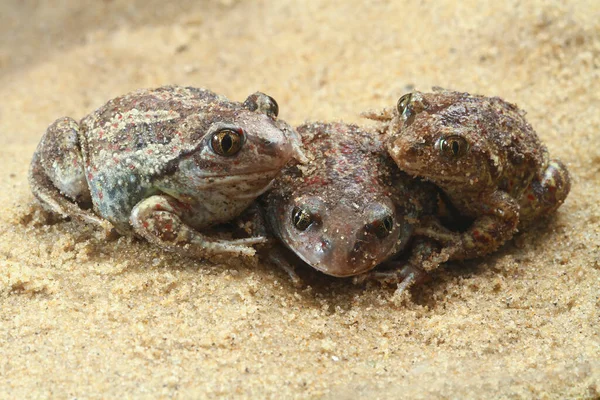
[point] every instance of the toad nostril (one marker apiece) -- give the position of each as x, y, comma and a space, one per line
414, 151
359, 248
272, 147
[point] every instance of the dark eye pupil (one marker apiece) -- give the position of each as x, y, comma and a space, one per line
273, 107
455, 147
388, 223
226, 143
301, 218
384, 227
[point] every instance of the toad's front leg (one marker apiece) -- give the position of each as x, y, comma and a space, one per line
424, 256
543, 196
158, 220
254, 223
497, 223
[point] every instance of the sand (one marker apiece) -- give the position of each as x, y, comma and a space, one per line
83, 317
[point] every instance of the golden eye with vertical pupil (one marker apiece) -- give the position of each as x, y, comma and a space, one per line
403, 103
453, 146
301, 218
384, 227
381, 227
227, 142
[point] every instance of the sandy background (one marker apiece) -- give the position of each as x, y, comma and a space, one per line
84, 318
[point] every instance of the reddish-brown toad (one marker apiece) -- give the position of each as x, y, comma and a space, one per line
348, 208
485, 156
164, 164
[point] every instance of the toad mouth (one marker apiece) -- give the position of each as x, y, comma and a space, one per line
246, 186
325, 267
228, 185
235, 178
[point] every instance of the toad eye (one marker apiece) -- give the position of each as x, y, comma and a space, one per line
271, 108
301, 218
453, 146
227, 142
402, 105
262, 103
383, 227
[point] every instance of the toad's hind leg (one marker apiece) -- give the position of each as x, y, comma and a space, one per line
158, 220
57, 176
543, 197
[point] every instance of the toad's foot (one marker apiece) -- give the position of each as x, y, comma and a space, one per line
425, 256
403, 275
543, 197
157, 219
277, 255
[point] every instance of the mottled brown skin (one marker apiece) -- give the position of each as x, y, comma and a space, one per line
487, 159
164, 164
348, 208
